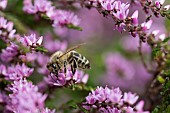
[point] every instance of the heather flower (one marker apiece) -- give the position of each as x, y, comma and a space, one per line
31, 40
146, 25
112, 101
9, 53
121, 10
25, 97
135, 18
107, 4
130, 98
159, 3
18, 72
42, 6
6, 29
67, 79
64, 18
3, 4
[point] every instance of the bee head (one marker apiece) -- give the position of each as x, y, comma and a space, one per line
53, 67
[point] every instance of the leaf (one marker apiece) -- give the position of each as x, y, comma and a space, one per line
71, 26
41, 49
166, 40
160, 79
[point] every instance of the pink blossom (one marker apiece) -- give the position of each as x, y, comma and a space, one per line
9, 53
62, 18
18, 72
6, 29
25, 97
146, 25
42, 6
110, 101
63, 79
32, 40
121, 10
107, 4
135, 18
130, 98
3, 4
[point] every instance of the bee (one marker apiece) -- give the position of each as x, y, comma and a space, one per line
59, 60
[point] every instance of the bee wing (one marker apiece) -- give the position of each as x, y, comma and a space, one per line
73, 48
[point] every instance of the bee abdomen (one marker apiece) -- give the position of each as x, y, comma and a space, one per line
81, 61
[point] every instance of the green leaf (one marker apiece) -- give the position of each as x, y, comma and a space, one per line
71, 26
160, 79
166, 39
41, 49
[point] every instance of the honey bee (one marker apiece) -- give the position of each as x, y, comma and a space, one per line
59, 60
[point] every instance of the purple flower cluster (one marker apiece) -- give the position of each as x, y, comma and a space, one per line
112, 100
59, 17
6, 29
16, 73
125, 74
25, 98
68, 79
9, 53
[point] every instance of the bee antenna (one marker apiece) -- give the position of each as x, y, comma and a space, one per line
73, 48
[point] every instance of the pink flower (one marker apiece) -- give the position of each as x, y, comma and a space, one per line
111, 101
146, 25
3, 4
63, 79
159, 3
6, 29
107, 4
18, 72
135, 18
32, 40
9, 53
121, 10
42, 6
25, 97
62, 18
130, 98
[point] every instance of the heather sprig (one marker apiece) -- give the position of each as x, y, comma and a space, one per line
26, 98
113, 100
58, 17
156, 7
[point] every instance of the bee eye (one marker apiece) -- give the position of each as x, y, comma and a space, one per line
54, 65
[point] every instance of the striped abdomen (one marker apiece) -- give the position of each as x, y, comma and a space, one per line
80, 60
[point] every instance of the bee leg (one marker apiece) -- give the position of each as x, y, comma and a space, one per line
74, 66
73, 69
65, 67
